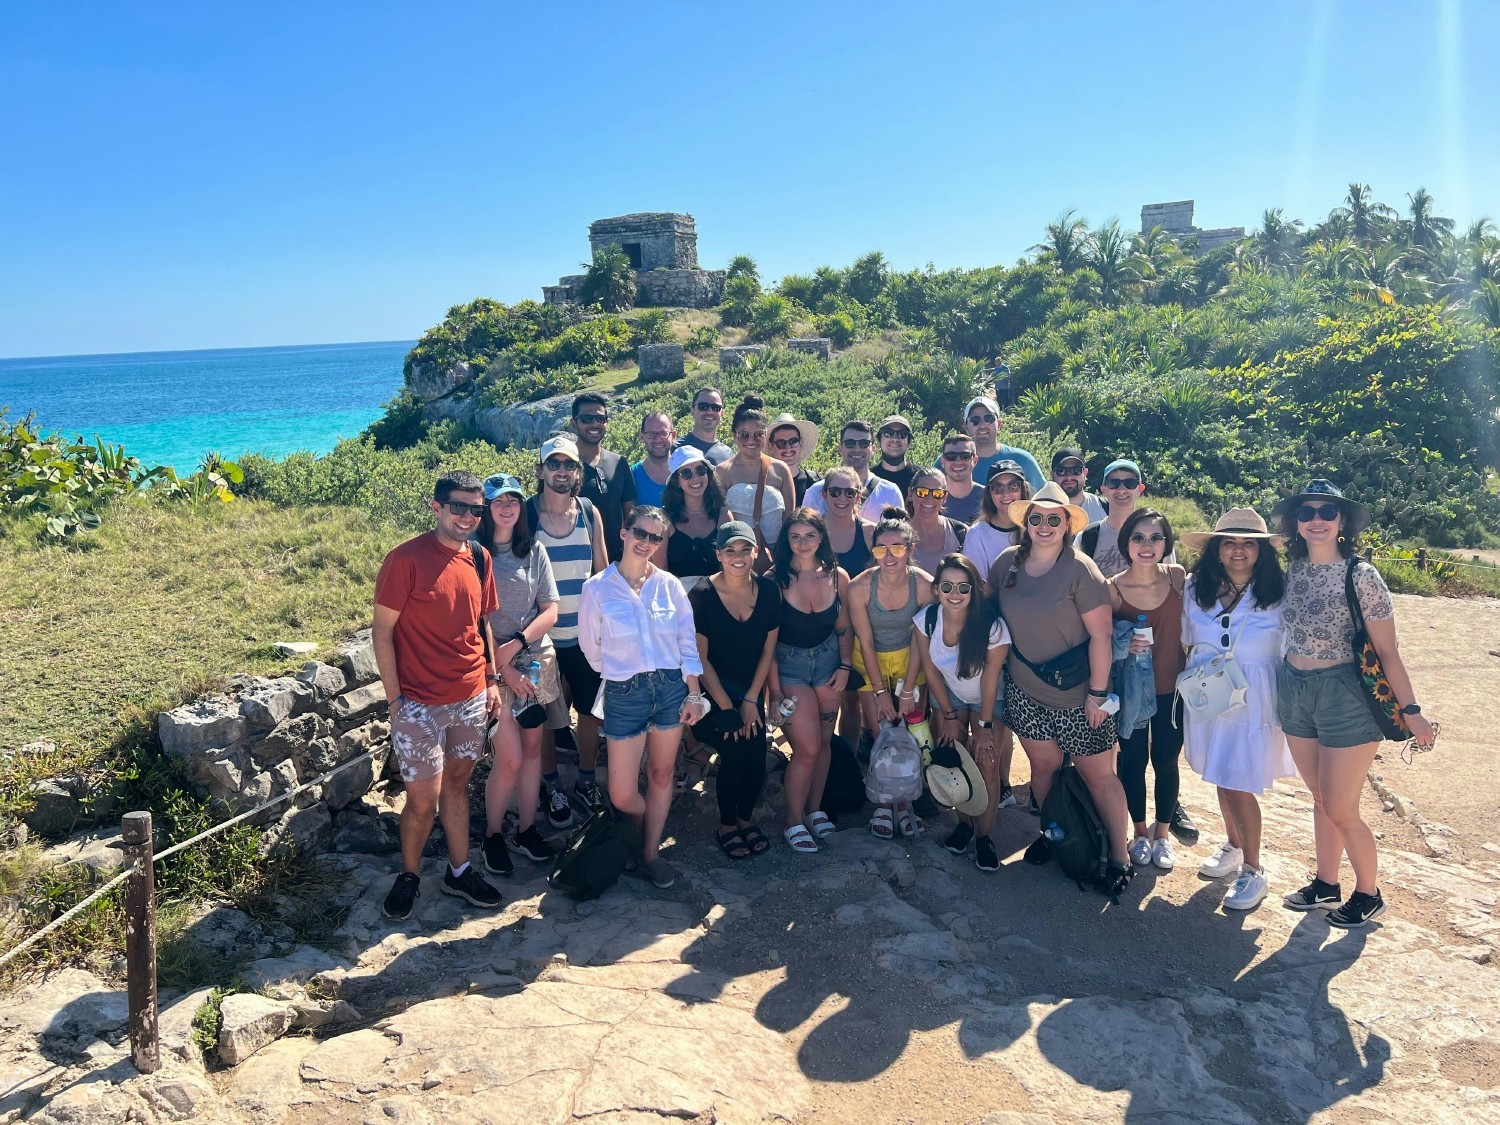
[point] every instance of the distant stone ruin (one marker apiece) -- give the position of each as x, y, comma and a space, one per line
663, 249
1176, 219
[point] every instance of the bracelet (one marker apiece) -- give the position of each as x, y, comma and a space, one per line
879, 691
1101, 694
951, 715
845, 668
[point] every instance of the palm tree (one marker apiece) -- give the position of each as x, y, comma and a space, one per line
1109, 255
1483, 305
1425, 230
610, 280
1339, 260
1367, 218
1278, 240
1066, 242
742, 265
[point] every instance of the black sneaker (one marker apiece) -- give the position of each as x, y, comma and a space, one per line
588, 794
1039, 852
564, 741
533, 847
1183, 828
403, 896
985, 857
470, 886
958, 840
1317, 895
497, 855
1360, 910
559, 808
1031, 806
1117, 878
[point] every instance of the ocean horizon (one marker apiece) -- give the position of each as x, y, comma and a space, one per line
172, 407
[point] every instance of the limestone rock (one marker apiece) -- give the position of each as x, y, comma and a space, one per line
660, 362
325, 680
306, 831
429, 382
178, 1097
55, 809
361, 703
269, 702
355, 831
524, 425
356, 659
70, 1004
819, 347
295, 648
248, 1022
736, 356
209, 724
92, 848
174, 1023
347, 786
289, 737
283, 977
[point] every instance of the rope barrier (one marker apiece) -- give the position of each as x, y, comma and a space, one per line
77, 909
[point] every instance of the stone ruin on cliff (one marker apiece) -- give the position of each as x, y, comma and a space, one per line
663, 249
1176, 220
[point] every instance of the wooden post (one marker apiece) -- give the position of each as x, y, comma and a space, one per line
1421, 558
140, 942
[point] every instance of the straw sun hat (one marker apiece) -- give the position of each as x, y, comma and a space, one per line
1237, 523
1051, 497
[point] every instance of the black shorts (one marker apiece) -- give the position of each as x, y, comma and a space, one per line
580, 682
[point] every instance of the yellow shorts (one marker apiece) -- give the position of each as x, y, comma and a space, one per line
892, 667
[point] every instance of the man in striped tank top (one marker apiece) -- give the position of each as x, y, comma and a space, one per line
570, 530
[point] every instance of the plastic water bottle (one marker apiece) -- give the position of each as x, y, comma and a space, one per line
520, 703
782, 715
534, 671
1144, 631
1054, 832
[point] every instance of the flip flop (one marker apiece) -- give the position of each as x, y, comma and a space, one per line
756, 839
733, 845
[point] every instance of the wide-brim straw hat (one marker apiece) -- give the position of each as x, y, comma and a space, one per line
808, 430
1356, 516
1050, 496
1237, 523
955, 780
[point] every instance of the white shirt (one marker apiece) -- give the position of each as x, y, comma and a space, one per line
945, 657
879, 495
984, 543
1092, 504
623, 633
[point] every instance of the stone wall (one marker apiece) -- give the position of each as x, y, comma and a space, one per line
819, 347
656, 240
685, 288
660, 362
736, 356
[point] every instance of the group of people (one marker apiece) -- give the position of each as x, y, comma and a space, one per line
686, 604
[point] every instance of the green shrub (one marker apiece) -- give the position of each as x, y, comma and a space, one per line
401, 425
838, 327
740, 295
599, 341
653, 327
704, 338
742, 265
771, 316
609, 280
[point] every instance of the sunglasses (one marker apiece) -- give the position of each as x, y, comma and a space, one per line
559, 464
644, 536
786, 442
1156, 537
1224, 624
751, 435
1122, 482
835, 492
902, 434
947, 587
856, 443
896, 549
688, 472
981, 419
924, 493
1003, 485
1036, 519
958, 455
707, 407
1068, 471
592, 419
1309, 512
459, 508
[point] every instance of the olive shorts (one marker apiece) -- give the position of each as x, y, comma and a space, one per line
1325, 703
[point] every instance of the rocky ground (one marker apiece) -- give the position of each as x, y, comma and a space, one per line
878, 981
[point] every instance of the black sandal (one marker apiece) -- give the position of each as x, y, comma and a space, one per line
733, 845
756, 839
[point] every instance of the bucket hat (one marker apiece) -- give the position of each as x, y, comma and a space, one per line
1050, 495
955, 780
683, 455
1238, 523
1356, 516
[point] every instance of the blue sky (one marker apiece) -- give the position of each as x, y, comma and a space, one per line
211, 175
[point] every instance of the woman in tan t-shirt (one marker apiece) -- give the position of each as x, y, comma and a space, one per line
1056, 603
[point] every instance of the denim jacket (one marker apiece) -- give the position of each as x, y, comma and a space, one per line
1134, 681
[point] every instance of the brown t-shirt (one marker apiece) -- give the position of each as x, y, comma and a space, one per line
439, 651
1045, 618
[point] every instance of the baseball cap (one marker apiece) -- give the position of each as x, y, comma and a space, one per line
1122, 464
502, 484
732, 532
894, 420
1066, 454
683, 455
1005, 466
563, 444
985, 401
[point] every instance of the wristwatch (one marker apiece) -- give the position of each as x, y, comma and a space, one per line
985, 725
1411, 709
492, 678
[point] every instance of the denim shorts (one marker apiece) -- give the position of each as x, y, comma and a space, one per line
1325, 703
810, 666
647, 701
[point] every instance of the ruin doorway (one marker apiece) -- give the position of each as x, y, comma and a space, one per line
633, 252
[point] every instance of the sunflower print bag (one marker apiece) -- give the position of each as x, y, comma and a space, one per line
1378, 694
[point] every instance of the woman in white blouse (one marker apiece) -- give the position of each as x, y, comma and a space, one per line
635, 626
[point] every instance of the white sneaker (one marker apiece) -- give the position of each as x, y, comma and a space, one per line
1247, 891
1163, 854
1140, 851
1226, 861
1007, 799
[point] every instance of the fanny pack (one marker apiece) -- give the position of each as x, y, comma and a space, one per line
1061, 672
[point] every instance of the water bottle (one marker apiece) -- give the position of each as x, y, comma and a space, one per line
916, 722
1054, 832
1145, 631
534, 672
520, 703
782, 714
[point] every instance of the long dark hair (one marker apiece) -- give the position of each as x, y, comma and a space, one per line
1134, 520
520, 536
781, 557
674, 503
1267, 582
974, 637
1296, 546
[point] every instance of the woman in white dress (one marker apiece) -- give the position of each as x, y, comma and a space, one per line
1232, 603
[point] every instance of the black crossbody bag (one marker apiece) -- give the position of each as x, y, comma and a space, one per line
1061, 672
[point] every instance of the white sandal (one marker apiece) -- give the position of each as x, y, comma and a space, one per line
799, 839
883, 824
821, 826
908, 822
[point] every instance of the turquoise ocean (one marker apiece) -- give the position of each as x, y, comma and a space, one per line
170, 408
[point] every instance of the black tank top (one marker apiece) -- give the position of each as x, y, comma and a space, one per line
687, 557
857, 557
806, 630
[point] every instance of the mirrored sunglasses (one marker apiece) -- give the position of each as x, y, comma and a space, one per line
898, 550
922, 492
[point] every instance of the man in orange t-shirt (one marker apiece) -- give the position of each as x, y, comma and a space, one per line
432, 600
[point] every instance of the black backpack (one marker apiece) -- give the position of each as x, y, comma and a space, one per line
596, 857
1080, 843
1088, 539
844, 791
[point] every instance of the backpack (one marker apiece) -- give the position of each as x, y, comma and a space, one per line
895, 772
481, 556
1088, 539
1080, 843
595, 858
585, 506
844, 791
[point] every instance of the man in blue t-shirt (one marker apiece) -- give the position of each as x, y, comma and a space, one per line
982, 423
658, 435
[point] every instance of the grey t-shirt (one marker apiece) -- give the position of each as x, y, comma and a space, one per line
522, 586
716, 451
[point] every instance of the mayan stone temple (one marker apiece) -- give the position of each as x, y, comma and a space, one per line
663, 248
1176, 219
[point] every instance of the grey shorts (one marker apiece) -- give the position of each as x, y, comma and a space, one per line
1325, 703
422, 733
810, 666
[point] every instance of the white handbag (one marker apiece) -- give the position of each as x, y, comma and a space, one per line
1214, 687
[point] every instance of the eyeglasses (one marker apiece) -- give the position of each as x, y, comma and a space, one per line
707, 407
786, 442
1036, 519
1309, 512
592, 419
947, 587
982, 419
959, 455
1156, 537
644, 536
856, 443
751, 435
1068, 471
834, 492
657, 435
1122, 482
559, 464
898, 550
459, 508
924, 493
688, 472
902, 434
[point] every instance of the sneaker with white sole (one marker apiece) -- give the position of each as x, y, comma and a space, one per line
1140, 851
1226, 860
1358, 911
1163, 854
559, 808
588, 794
1248, 890
1317, 895
1007, 798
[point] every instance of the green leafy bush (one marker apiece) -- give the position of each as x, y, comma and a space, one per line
651, 327
740, 294
838, 327
771, 316
609, 280
67, 483
598, 341
704, 338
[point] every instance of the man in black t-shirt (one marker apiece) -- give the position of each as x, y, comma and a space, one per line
894, 438
708, 412
607, 480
